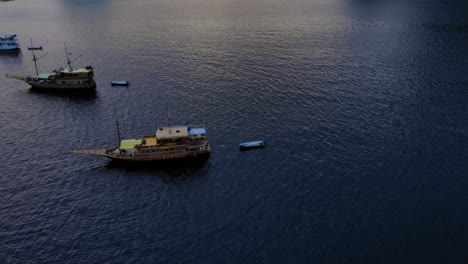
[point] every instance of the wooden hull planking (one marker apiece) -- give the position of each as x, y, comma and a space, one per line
61, 87
109, 153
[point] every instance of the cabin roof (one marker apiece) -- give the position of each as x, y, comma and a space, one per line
172, 132
7, 36
193, 131
75, 70
45, 75
129, 143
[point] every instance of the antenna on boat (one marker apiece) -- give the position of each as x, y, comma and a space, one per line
169, 116
118, 127
68, 58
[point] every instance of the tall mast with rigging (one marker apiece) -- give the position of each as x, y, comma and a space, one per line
35, 59
118, 127
169, 116
68, 58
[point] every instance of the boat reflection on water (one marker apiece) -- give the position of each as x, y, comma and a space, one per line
83, 95
10, 53
169, 170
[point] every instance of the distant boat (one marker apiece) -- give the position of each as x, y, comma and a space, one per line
9, 42
252, 144
34, 47
63, 79
120, 83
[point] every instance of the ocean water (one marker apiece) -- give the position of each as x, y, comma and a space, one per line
364, 105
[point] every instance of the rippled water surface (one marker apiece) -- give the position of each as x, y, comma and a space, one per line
364, 105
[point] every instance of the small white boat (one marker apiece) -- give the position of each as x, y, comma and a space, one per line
253, 144
120, 83
34, 47
9, 42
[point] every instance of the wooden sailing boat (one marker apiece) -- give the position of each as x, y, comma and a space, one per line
168, 143
69, 79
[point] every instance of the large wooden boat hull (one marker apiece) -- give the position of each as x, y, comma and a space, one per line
175, 162
49, 86
145, 158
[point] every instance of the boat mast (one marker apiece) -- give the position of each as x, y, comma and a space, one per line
34, 59
68, 59
169, 116
118, 127
69, 62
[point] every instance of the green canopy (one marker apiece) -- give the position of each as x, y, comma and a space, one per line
129, 143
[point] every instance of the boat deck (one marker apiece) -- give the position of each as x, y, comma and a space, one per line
149, 140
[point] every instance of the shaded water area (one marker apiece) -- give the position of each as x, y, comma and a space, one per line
364, 105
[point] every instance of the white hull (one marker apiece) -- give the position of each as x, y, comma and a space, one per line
9, 47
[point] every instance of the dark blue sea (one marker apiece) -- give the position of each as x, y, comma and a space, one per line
364, 104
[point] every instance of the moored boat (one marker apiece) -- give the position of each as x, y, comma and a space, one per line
63, 79
33, 47
168, 143
71, 79
120, 83
252, 144
9, 42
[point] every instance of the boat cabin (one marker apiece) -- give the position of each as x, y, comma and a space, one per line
8, 41
170, 138
8, 37
76, 73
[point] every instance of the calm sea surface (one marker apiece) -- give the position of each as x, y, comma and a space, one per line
364, 104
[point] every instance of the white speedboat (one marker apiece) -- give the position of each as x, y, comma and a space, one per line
34, 47
120, 83
252, 144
